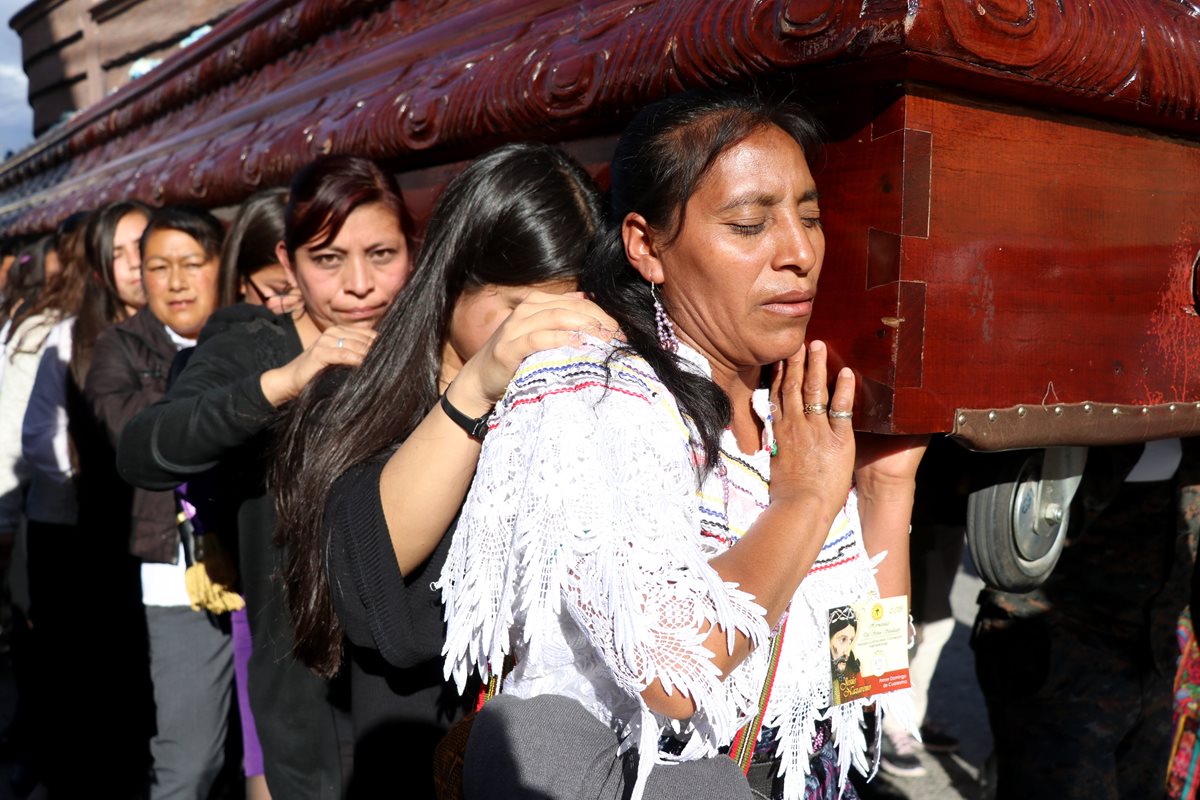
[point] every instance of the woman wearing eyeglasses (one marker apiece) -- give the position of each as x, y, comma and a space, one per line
250, 267
190, 667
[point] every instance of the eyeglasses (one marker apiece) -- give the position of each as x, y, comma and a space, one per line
265, 296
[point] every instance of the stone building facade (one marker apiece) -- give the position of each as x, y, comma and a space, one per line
75, 52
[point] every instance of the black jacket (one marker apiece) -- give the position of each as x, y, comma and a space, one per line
128, 373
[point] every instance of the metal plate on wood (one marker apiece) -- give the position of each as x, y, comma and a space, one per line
1073, 424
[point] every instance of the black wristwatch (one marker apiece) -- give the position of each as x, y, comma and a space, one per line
475, 428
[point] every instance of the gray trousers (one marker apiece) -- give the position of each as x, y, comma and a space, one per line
550, 748
191, 666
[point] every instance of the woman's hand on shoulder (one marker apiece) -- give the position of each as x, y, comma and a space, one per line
335, 345
543, 321
816, 451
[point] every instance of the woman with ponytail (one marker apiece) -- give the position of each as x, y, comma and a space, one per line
649, 519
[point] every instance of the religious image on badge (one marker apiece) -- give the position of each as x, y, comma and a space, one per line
868, 649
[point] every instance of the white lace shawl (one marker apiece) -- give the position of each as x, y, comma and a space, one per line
579, 551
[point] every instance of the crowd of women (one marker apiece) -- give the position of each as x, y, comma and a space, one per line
260, 540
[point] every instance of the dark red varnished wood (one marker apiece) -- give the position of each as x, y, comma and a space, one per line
283, 80
1031, 259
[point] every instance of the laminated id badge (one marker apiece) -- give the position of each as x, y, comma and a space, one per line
868, 648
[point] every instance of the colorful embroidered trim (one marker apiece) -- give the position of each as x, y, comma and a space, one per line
742, 748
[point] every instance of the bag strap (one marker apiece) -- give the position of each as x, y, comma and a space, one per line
742, 748
492, 687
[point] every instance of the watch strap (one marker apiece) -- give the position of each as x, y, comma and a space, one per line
475, 428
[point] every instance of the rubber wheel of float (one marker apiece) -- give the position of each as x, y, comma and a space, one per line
1013, 545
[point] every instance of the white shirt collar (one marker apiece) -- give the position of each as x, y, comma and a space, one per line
180, 341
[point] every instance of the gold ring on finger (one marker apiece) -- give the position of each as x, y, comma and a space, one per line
841, 414
815, 408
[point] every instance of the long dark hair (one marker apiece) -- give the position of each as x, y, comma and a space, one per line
522, 214
251, 240
101, 305
660, 160
64, 292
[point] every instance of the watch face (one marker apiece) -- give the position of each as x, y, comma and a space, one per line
480, 428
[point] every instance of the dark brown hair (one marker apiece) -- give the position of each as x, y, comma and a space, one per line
26, 281
327, 191
205, 229
63, 294
251, 240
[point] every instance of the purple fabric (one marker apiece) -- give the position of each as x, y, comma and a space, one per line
252, 757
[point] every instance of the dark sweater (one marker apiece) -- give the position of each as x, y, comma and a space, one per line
394, 632
214, 421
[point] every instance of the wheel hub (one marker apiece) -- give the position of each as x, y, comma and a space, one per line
1037, 512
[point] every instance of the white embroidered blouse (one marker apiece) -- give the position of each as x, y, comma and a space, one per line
582, 550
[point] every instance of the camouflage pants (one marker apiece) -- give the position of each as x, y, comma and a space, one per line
1073, 715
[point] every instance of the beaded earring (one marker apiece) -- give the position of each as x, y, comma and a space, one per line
667, 339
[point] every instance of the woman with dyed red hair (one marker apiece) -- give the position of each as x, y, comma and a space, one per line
346, 247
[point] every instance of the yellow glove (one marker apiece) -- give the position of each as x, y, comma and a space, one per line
209, 580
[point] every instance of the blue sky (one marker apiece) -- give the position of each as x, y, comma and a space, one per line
16, 118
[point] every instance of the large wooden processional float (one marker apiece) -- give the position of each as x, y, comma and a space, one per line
1011, 190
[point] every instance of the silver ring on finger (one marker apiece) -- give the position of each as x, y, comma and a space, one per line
815, 408
340, 343
841, 414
